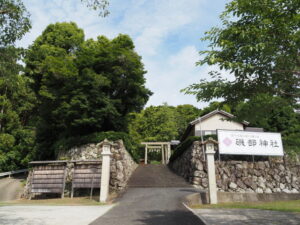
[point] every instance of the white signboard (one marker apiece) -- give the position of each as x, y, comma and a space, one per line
235, 142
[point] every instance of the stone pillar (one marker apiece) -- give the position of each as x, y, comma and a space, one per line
169, 152
212, 188
163, 154
105, 171
146, 154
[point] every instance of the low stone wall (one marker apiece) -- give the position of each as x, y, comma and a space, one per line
121, 165
224, 197
239, 176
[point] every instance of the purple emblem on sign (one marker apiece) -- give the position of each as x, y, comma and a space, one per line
227, 141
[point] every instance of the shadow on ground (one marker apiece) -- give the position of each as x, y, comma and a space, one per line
179, 217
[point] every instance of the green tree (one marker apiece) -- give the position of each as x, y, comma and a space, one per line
184, 115
99, 5
259, 44
17, 134
83, 87
155, 123
215, 105
14, 21
273, 114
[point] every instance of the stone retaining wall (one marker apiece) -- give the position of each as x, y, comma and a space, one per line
271, 176
121, 165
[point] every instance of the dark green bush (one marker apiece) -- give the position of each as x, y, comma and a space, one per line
66, 144
180, 149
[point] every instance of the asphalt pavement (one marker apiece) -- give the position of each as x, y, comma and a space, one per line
154, 197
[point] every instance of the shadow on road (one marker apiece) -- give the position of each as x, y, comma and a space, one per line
177, 217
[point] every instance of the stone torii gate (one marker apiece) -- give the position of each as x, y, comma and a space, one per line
164, 147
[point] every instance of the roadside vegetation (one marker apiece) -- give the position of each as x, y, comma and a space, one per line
65, 90
55, 202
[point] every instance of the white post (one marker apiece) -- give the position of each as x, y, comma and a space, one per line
146, 154
169, 152
105, 172
210, 152
163, 154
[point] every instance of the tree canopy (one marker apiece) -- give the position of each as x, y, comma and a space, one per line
161, 123
259, 44
14, 21
83, 86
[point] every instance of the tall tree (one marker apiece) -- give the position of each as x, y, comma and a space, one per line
14, 21
16, 106
83, 86
155, 123
259, 44
17, 134
184, 115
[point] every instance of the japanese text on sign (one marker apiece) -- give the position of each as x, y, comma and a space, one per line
249, 143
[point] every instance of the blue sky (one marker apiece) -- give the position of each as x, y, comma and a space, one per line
166, 34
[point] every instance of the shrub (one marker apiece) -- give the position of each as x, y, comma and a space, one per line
183, 146
66, 144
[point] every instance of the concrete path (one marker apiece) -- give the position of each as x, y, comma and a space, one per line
247, 217
156, 176
10, 189
153, 198
50, 215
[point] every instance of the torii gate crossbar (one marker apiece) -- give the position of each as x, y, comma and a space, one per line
165, 148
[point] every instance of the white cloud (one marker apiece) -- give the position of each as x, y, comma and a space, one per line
166, 34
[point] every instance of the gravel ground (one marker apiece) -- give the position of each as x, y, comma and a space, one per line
10, 189
50, 215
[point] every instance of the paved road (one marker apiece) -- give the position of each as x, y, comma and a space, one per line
247, 217
153, 198
156, 176
10, 189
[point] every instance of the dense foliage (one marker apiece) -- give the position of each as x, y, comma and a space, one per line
14, 21
17, 133
273, 114
83, 86
70, 142
183, 146
161, 123
258, 44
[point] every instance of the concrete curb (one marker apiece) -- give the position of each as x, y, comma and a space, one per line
200, 217
223, 197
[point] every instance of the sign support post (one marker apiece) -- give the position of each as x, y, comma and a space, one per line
210, 159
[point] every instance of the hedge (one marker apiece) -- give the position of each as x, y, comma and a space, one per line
182, 147
66, 144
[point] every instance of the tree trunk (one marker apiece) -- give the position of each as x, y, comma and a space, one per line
2, 110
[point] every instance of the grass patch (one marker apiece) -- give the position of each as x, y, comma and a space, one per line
55, 202
286, 206
154, 162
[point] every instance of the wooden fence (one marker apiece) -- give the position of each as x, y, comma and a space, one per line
87, 174
48, 177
